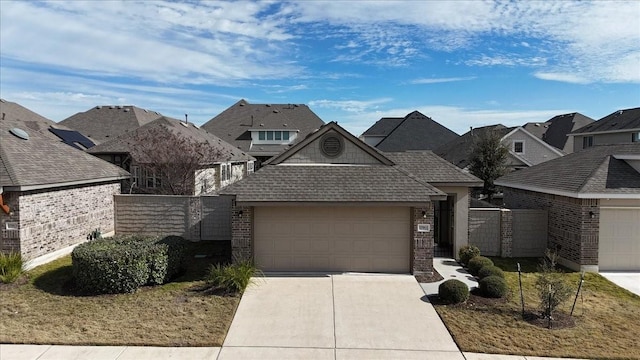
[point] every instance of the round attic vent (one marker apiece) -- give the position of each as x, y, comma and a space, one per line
20, 133
331, 145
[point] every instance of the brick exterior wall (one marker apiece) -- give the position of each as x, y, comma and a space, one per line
422, 242
242, 232
506, 232
571, 228
53, 219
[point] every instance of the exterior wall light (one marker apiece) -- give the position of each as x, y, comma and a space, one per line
240, 214
424, 214
592, 215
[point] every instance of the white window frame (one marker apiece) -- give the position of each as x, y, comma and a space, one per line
587, 141
514, 146
225, 172
278, 137
250, 166
635, 137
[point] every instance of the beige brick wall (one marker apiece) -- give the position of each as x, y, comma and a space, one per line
54, 219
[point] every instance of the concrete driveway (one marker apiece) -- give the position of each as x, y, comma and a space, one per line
626, 280
345, 316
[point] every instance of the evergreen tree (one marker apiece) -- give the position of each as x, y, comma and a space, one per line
488, 159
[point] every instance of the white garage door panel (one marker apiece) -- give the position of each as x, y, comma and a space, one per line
619, 240
372, 239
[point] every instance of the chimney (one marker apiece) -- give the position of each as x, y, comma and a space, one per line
186, 116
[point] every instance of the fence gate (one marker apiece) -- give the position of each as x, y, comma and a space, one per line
216, 218
529, 232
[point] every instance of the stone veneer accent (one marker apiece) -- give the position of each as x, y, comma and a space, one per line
53, 219
422, 242
571, 227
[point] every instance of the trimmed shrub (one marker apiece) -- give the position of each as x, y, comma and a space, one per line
478, 263
124, 263
11, 267
453, 291
232, 278
467, 253
493, 287
490, 271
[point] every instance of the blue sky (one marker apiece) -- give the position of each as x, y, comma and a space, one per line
462, 63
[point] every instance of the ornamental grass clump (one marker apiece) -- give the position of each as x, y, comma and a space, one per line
232, 278
453, 291
11, 267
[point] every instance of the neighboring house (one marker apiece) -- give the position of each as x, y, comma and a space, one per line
105, 122
593, 201
620, 127
333, 203
263, 130
525, 149
412, 132
555, 131
48, 128
52, 196
229, 164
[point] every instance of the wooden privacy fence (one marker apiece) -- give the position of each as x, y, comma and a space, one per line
193, 217
508, 232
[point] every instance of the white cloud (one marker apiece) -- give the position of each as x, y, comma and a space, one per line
160, 41
359, 118
350, 106
441, 80
507, 60
563, 77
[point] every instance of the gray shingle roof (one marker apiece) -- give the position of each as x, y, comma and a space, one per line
331, 183
555, 130
42, 162
626, 119
383, 127
429, 167
102, 123
123, 143
592, 171
416, 132
233, 124
29, 119
458, 151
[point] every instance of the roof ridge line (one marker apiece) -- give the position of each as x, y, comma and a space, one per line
415, 178
595, 169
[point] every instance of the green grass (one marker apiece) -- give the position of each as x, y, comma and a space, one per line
607, 320
44, 308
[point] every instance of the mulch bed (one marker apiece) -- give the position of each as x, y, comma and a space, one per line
425, 278
559, 320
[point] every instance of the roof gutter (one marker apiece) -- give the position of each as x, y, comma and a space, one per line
63, 184
341, 203
572, 194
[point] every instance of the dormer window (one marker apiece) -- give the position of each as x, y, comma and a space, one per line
273, 136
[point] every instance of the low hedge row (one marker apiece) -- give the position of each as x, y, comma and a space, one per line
122, 264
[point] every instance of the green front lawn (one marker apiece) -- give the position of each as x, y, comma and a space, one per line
607, 320
43, 308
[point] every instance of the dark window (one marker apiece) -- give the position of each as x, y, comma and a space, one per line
587, 141
518, 147
261, 135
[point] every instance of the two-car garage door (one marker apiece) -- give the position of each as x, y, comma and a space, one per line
619, 239
341, 238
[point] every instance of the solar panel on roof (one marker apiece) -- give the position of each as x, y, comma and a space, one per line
72, 138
